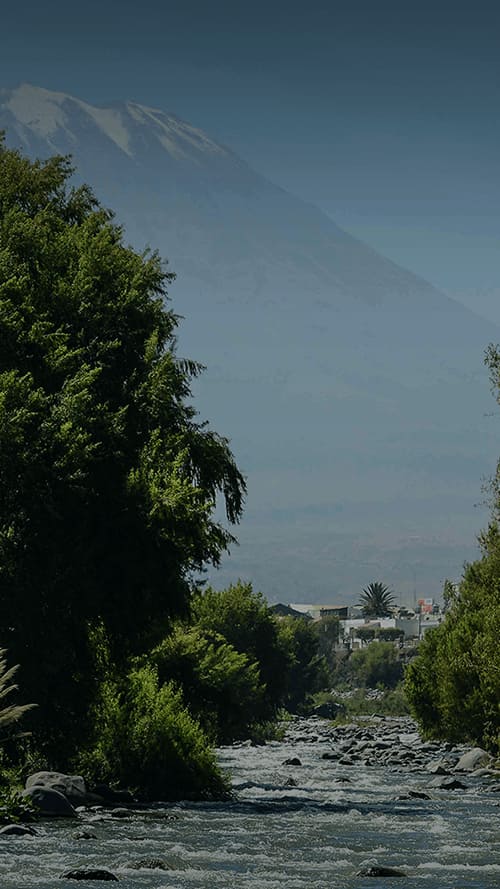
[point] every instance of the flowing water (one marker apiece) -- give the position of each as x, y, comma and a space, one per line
299, 827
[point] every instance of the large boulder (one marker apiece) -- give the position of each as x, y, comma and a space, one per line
477, 758
89, 874
50, 802
17, 830
71, 786
329, 710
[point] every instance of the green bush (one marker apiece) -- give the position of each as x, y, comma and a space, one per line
15, 808
307, 670
221, 686
149, 741
377, 665
243, 617
453, 685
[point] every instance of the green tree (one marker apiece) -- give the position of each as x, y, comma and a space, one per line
377, 664
108, 481
390, 634
366, 634
307, 668
376, 600
246, 622
220, 685
450, 593
149, 740
327, 630
453, 685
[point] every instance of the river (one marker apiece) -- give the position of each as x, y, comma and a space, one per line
313, 825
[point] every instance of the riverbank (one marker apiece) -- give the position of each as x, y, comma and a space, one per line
311, 812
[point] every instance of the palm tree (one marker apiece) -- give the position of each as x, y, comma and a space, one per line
376, 600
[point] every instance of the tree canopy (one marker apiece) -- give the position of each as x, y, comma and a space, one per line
108, 480
453, 686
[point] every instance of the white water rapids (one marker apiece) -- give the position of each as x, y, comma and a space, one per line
295, 826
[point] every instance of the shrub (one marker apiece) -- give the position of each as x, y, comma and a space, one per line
221, 686
151, 743
378, 664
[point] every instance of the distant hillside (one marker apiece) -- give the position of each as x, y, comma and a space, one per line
353, 391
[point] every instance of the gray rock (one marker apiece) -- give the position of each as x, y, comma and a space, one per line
474, 759
50, 802
381, 871
448, 784
89, 874
120, 813
17, 830
71, 786
149, 864
410, 739
293, 761
438, 767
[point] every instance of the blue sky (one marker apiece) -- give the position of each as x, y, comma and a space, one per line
384, 114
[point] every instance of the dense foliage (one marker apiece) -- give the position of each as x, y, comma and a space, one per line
454, 684
378, 664
285, 651
148, 740
108, 481
221, 685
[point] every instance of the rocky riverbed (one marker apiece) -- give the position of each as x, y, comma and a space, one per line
330, 806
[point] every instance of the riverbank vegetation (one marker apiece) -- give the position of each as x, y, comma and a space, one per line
454, 685
108, 488
109, 483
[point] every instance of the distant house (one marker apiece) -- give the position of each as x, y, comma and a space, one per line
410, 627
281, 610
340, 611
319, 611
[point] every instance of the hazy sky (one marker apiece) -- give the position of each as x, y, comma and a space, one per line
386, 114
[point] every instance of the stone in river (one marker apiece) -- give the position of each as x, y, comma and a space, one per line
381, 871
149, 864
17, 830
50, 802
89, 874
473, 759
293, 761
448, 784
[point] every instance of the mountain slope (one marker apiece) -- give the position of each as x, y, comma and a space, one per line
353, 391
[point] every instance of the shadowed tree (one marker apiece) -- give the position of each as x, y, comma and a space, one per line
376, 600
108, 480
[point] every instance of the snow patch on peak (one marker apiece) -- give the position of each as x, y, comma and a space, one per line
110, 122
45, 113
42, 111
38, 109
175, 135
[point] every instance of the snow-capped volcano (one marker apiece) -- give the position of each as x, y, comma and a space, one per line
51, 116
353, 391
